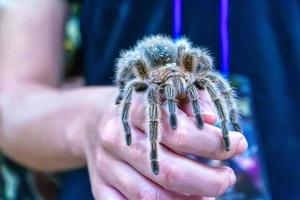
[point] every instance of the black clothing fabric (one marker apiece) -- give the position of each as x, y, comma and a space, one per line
264, 46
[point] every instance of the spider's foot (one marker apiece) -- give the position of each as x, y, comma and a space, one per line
173, 121
155, 167
237, 127
226, 143
128, 139
199, 121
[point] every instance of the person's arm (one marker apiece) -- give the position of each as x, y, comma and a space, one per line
46, 128
38, 120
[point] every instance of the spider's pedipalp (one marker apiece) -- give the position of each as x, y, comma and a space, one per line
186, 57
204, 60
170, 94
130, 65
221, 108
153, 117
193, 97
123, 67
229, 96
189, 62
140, 68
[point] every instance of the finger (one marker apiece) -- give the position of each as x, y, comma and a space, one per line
101, 190
183, 175
109, 193
177, 173
207, 108
134, 185
138, 111
187, 138
206, 142
189, 197
138, 114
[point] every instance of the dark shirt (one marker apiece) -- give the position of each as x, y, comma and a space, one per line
264, 46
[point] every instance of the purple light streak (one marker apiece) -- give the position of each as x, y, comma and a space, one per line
177, 19
224, 37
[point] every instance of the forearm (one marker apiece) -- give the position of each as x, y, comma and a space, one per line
45, 128
36, 117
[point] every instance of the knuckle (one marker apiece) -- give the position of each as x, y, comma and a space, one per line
138, 151
181, 139
169, 176
108, 136
221, 184
147, 195
218, 189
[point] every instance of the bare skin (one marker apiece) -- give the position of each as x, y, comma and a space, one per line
46, 128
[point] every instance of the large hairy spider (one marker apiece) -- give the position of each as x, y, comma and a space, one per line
167, 71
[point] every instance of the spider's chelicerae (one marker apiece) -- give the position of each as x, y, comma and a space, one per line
167, 70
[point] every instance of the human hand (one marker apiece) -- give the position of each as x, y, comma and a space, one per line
118, 171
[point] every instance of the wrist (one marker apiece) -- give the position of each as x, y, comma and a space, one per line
95, 105
81, 128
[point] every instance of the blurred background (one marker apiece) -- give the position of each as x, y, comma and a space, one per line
256, 44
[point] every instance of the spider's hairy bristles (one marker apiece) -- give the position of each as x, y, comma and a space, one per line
167, 72
183, 44
131, 63
190, 57
184, 54
205, 60
159, 50
141, 69
124, 70
188, 62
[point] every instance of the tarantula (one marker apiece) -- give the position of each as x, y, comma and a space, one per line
166, 71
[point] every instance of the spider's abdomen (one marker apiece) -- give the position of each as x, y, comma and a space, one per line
158, 50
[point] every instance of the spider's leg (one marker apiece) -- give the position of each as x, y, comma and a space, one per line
193, 97
124, 71
121, 91
126, 102
125, 114
154, 116
129, 66
229, 96
170, 94
221, 109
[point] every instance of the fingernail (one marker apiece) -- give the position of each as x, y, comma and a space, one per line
232, 177
231, 174
243, 145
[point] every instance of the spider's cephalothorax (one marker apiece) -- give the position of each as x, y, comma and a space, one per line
166, 71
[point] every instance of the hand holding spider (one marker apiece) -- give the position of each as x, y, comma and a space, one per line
170, 71
178, 175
